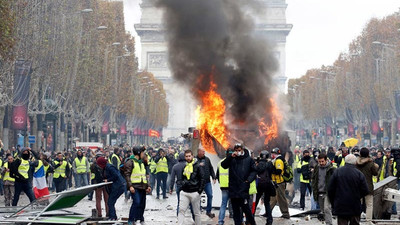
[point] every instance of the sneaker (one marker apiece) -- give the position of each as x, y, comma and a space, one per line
211, 215
165, 197
285, 216
157, 197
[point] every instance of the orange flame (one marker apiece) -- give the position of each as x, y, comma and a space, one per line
270, 130
210, 119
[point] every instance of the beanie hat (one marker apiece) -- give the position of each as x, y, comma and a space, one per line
101, 161
364, 152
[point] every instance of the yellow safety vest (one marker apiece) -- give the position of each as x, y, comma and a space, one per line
92, 176
46, 168
80, 165
119, 161
7, 174
303, 163
342, 163
253, 188
394, 169
223, 175
153, 166
383, 169
1, 163
23, 168
138, 174
60, 171
162, 165
40, 164
277, 178
296, 161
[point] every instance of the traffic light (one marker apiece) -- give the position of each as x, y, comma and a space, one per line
196, 134
69, 130
44, 129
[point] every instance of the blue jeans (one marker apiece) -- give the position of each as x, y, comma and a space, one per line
224, 203
115, 193
162, 178
138, 205
394, 207
153, 178
178, 191
23, 186
208, 191
81, 180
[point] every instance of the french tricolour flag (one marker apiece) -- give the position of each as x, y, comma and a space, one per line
39, 183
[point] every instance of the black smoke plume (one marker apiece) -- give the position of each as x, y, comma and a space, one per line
215, 40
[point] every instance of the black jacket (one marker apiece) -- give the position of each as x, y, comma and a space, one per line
195, 183
242, 171
207, 168
346, 187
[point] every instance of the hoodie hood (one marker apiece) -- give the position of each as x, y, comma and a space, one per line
363, 161
181, 157
328, 163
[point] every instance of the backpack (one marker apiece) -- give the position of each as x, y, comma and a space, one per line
306, 172
287, 172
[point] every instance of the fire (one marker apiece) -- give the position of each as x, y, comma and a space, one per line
210, 119
270, 130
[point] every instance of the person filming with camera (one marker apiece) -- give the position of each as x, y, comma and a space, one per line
242, 171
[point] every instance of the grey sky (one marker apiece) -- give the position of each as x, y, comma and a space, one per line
321, 28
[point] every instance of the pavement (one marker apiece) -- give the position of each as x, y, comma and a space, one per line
163, 212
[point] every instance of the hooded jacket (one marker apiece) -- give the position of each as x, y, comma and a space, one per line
315, 178
242, 171
369, 169
176, 171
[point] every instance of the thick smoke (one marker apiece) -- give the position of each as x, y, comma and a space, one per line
217, 37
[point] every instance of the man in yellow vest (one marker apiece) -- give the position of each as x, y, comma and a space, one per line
81, 167
162, 173
61, 171
279, 166
136, 179
177, 172
152, 168
303, 168
8, 181
296, 161
223, 179
22, 170
192, 181
114, 159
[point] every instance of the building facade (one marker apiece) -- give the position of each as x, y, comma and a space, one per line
271, 23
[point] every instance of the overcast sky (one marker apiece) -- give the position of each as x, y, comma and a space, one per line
321, 28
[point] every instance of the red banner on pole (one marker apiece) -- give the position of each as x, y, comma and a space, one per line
123, 129
105, 127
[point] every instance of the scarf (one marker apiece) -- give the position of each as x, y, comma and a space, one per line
188, 170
